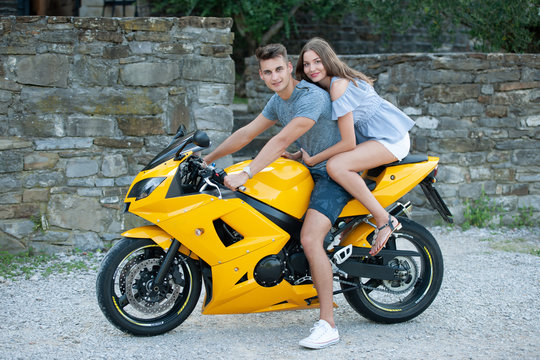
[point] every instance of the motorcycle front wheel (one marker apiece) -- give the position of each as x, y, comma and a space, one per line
129, 299
394, 301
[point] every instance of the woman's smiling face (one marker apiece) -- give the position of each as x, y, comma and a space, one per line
313, 66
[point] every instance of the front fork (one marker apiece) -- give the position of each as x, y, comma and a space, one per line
166, 265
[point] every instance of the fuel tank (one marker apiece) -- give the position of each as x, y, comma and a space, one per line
285, 185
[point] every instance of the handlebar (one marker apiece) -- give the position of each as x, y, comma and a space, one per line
216, 175
219, 177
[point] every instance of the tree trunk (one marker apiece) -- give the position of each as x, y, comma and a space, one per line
274, 29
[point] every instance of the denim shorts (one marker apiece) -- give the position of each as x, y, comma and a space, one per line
327, 197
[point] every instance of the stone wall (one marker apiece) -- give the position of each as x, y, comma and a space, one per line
85, 103
480, 113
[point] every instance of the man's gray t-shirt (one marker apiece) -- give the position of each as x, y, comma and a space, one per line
310, 101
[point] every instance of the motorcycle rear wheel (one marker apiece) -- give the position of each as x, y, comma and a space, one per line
129, 302
398, 301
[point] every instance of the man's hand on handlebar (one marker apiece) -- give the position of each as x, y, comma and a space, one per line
234, 181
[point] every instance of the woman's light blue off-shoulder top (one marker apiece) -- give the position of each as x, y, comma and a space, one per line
374, 117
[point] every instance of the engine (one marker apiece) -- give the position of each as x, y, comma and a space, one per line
272, 269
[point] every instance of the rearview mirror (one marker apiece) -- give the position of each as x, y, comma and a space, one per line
200, 138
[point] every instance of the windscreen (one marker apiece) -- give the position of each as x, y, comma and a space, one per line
170, 151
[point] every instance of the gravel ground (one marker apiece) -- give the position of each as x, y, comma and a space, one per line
487, 308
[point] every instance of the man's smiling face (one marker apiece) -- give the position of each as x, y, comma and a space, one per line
276, 73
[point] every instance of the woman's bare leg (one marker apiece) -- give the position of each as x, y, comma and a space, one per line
344, 169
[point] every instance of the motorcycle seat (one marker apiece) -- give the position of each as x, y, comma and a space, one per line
409, 159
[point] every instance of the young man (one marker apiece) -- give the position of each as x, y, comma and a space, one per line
304, 110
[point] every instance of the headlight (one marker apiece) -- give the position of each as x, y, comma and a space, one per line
145, 187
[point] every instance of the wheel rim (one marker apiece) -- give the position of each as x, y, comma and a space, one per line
416, 277
139, 302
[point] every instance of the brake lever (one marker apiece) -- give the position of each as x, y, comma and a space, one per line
217, 176
208, 182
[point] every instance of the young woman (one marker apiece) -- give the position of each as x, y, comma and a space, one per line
373, 131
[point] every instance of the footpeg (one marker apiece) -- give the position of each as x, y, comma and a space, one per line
333, 242
342, 254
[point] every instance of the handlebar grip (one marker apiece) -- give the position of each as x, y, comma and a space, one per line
219, 176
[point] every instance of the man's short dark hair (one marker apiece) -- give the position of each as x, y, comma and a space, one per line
271, 51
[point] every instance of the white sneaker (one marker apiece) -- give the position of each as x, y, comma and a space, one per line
322, 335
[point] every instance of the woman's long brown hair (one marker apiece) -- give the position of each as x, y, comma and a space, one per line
332, 64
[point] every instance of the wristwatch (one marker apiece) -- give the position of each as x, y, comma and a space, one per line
247, 170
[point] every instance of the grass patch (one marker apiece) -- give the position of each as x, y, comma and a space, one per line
27, 264
518, 245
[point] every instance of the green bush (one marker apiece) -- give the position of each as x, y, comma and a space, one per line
495, 25
524, 217
479, 212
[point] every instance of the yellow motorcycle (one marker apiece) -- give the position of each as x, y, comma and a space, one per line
245, 245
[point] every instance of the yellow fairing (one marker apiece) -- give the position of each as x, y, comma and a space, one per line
157, 207
230, 263
285, 185
358, 236
159, 236
231, 294
392, 184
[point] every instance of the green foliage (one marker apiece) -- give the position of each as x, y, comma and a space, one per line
501, 24
256, 22
524, 217
38, 225
252, 18
479, 212
496, 25
238, 100
37, 222
399, 16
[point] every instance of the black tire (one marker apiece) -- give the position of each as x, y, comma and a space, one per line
133, 308
398, 301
